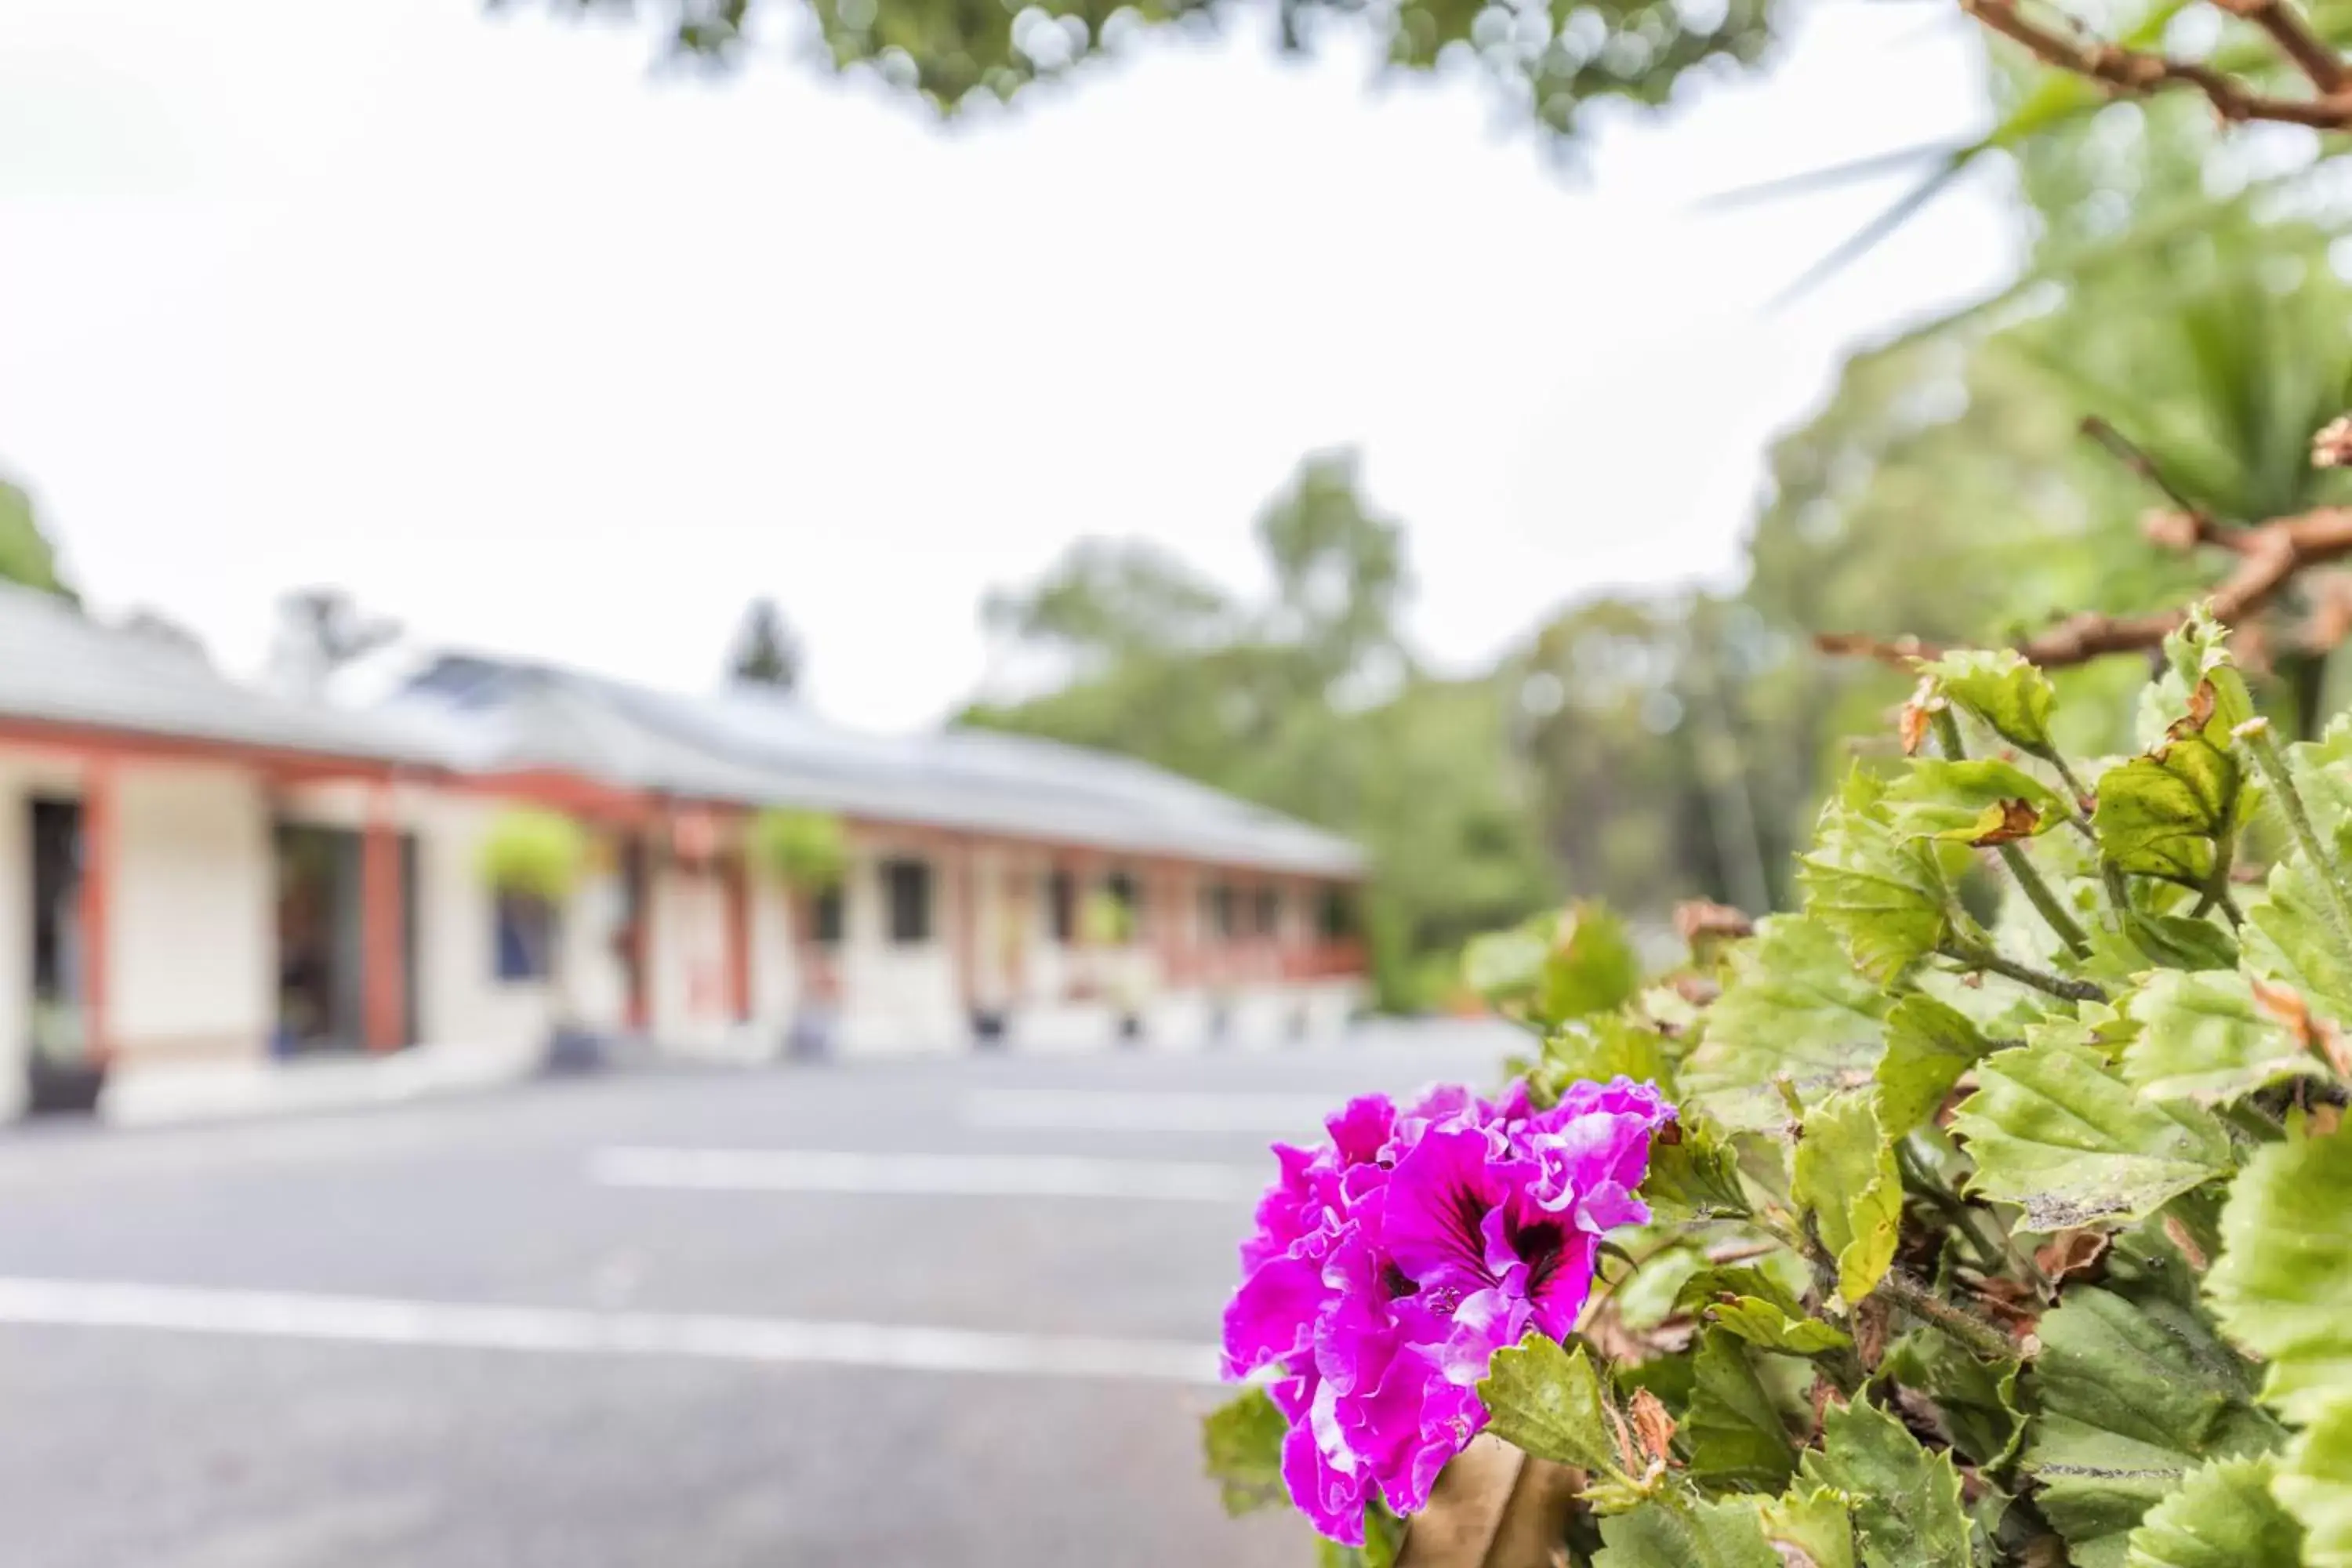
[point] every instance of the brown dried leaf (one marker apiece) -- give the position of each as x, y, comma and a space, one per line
2018, 820
1695, 918
1871, 1323
1919, 713
1653, 1427
2178, 1234
2071, 1254
2284, 1006
2332, 447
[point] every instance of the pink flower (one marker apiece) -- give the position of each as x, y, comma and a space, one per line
1391, 1262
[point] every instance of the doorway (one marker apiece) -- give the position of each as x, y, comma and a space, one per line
323, 943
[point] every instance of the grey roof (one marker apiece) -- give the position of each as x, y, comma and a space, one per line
761, 749
59, 666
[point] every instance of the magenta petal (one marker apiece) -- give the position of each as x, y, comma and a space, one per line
1362, 1128
1437, 1203
1332, 1499
1271, 1317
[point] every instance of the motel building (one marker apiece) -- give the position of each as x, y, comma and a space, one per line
202, 881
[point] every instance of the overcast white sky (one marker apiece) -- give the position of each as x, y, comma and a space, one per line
542, 350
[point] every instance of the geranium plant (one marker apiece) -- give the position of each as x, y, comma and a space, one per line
1992, 1209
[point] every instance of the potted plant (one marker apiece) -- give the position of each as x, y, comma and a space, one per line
541, 856
809, 853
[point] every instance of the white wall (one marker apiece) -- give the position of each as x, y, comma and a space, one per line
460, 999
898, 997
192, 937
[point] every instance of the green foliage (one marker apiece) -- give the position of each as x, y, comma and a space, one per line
1306, 701
1241, 1449
1554, 968
2222, 1516
1904, 1502
1735, 1432
1887, 1332
1546, 1399
540, 854
765, 654
1633, 50
2053, 1130
805, 850
1845, 1184
26, 556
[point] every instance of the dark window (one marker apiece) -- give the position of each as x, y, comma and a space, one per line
1062, 899
1222, 911
1128, 896
1265, 911
910, 884
828, 916
527, 930
1336, 917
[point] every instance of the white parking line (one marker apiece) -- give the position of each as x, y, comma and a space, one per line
1299, 1115
377, 1320
925, 1175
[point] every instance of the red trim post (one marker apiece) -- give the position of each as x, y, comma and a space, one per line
736, 888
94, 903
966, 934
383, 958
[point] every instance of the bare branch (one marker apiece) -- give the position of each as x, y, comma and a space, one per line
2129, 454
2295, 39
2269, 554
2143, 71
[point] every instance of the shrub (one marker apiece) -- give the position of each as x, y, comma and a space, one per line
2016, 1236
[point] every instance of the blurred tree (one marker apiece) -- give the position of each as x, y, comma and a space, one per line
1307, 703
766, 653
1545, 61
25, 554
320, 632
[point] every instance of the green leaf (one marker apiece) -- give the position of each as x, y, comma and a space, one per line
1976, 1399
1771, 1326
2283, 1285
2198, 652
1963, 802
1591, 968
1241, 1449
1792, 1004
2159, 814
2313, 1483
1846, 1178
1928, 1046
1503, 966
1600, 1048
1736, 1435
2055, 1133
1693, 1173
2204, 1036
1555, 967
2289, 940
1748, 1301
2003, 691
2133, 1395
2223, 1515
1685, 1532
1545, 1398
1383, 1539
1811, 1528
1906, 1501
1884, 896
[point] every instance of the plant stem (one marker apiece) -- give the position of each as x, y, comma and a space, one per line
2044, 901
2037, 892
2271, 763
1964, 1327
1985, 958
